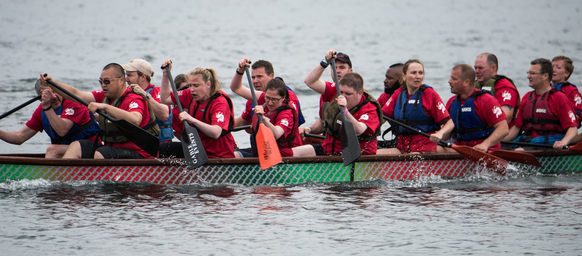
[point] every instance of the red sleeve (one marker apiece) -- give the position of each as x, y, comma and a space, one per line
99, 96
329, 93
434, 106
368, 116
388, 109
75, 112
136, 103
574, 97
220, 113
285, 121
35, 121
383, 98
562, 108
246, 114
506, 93
489, 110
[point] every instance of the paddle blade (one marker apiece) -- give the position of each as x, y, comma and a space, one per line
349, 141
491, 162
267, 148
518, 157
577, 147
143, 139
194, 152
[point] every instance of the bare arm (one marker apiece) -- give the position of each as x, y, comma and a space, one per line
83, 95
513, 132
165, 90
501, 130
117, 113
60, 125
277, 131
161, 111
313, 79
445, 130
212, 131
17, 137
236, 82
570, 134
508, 111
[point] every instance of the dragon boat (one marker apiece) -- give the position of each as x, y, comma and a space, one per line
247, 171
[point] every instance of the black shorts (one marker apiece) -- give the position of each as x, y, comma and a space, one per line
247, 152
88, 149
318, 150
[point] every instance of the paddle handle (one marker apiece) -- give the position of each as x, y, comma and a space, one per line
260, 116
336, 82
317, 136
416, 130
20, 106
77, 99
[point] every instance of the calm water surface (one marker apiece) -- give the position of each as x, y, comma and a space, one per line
73, 40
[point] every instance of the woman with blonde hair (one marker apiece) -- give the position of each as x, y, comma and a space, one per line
206, 107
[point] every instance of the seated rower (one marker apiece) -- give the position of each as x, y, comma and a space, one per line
326, 89
364, 113
562, 68
206, 107
479, 121
418, 105
118, 101
261, 73
63, 120
279, 116
545, 114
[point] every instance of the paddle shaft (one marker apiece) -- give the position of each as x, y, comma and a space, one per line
527, 144
20, 106
242, 127
259, 116
440, 142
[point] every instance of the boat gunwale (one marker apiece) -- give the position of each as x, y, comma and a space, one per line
37, 159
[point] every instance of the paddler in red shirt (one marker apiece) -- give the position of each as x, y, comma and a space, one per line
206, 107
118, 101
479, 121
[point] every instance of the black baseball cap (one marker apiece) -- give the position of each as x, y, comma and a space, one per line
340, 56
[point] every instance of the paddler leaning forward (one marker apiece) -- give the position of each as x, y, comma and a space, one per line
119, 102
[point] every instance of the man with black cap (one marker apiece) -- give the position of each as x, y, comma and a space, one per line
327, 90
139, 73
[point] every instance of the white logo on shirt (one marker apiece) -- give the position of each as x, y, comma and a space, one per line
389, 101
133, 105
69, 112
364, 117
506, 96
220, 117
572, 116
497, 112
466, 109
284, 122
541, 110
441, 107
578, 100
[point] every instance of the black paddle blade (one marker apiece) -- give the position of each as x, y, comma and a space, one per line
143, 139
193, 152
349, 141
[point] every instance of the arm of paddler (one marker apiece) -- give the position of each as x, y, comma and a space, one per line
17, 137
236, 82
212, 131
83, 95
165, 90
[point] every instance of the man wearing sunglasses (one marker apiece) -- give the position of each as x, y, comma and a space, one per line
119, 102
139, 73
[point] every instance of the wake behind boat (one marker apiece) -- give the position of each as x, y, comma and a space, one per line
247, 171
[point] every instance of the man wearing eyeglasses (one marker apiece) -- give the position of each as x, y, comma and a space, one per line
139, 73
261, 73
501, 87
118, 101
545, 115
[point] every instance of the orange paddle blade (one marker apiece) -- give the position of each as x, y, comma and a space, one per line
267, 148
491, 162
518, 157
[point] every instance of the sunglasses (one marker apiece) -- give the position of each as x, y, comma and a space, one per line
107, 81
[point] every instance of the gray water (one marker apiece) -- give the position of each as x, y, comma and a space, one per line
73, 40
